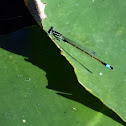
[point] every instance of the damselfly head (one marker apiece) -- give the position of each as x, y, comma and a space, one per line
50, 30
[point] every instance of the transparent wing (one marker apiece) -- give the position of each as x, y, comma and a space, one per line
89, 51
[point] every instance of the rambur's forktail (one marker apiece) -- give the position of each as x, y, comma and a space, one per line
59, 37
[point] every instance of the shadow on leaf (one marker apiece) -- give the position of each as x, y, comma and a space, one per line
34, 44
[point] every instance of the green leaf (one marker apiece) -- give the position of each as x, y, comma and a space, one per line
38, 86
98, 25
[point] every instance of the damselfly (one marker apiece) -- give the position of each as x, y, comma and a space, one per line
59, 37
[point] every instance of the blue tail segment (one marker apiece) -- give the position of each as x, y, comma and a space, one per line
108, 66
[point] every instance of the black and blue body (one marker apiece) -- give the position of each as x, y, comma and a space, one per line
59, 37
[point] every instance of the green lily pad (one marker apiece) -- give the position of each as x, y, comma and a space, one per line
38, 86
100, 26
